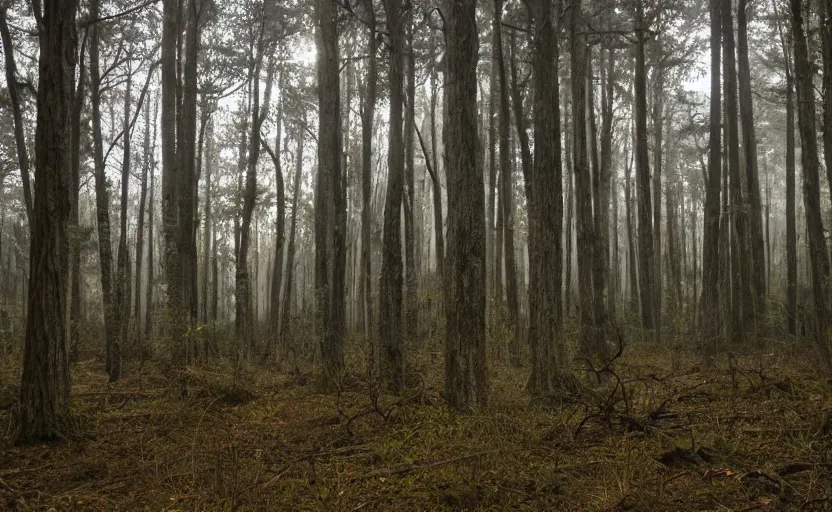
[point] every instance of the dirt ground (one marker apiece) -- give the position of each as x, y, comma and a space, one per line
656, 432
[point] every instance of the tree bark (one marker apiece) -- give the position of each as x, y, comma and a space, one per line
645, 222
826, 52
710, 326
102, 202
176, 321
290, 247
367, 118
749, 143
44, 387
390, 284
75, 243
465, 365
122, 290
275, 302
328, 240
740, 261
791, 224
411, 269
583, 183
545, 218
818, 255
507, 191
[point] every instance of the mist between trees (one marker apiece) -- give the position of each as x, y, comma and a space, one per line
339, 185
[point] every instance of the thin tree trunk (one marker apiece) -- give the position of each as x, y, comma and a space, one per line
506, 191
75, 242
709, 324
411, 269
148, 326
290, 248
17, 113
102, 201
658, 161
791, 224
275, 302
367, 118
122, 291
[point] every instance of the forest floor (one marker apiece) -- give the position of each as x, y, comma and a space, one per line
754, 433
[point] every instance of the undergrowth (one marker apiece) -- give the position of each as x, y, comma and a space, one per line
652, 430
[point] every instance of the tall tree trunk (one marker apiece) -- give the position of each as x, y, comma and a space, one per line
645, 222
494, 233
437, 184
290, 247
411, 268
605, 185
275, 302
465, 366
245, 316
749, 143
583, 182
600, 207
390, 284
367, 118
17, 113
171, 171
44, 386
208, 221
545, 219
631, 241
122, 291
148, 327
102, 201
818, 255
826, 52
328, 241
791, 224
75, 242
186, 152
658, 164
710, 326
507, 191
740, 261
146, 156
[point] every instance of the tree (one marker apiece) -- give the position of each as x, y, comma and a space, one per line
742, 311
44, 387
102, 203
818, 255
390, 284
367, 117
752, 178
711, 236
506, 189
14, 99
329, 240
465, 366
545, 219
645, 222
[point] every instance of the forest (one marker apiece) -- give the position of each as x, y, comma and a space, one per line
415, 255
